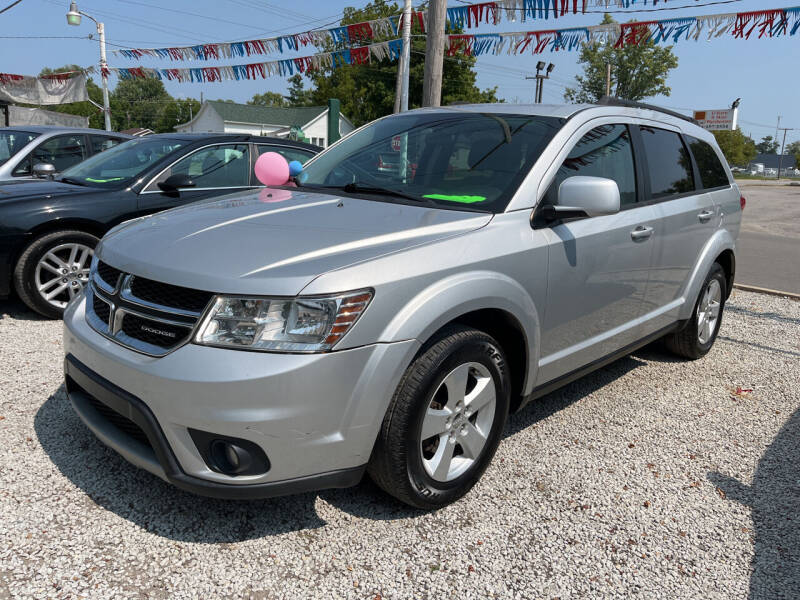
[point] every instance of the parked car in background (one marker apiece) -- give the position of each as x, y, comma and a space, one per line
384, 320
23, 148
48, 229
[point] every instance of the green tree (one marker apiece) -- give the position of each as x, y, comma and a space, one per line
268, 99
738, 148
139, 103
767, 145
176, 112
794, 150
84, 109
637, 72
298, 94
368, 91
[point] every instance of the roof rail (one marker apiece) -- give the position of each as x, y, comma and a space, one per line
611, 101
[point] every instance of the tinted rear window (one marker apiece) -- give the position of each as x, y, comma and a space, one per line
668, 164
712, 173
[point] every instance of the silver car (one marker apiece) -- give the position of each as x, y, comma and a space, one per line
364, 319
24, 148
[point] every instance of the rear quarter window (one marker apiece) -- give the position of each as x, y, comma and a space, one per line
712, 173
669, 166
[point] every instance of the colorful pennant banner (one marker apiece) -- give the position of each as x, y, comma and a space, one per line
745, 25
460, 17
6, 78
287, 67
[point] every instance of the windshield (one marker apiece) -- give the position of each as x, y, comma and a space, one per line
12, 141
454, 159
121, 164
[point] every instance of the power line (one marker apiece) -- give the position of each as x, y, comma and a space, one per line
10, 6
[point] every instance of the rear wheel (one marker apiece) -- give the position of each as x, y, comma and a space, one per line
53, 270
445, 420
698, 336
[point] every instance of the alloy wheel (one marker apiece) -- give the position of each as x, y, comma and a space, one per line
708, 311
458, 421
62, 272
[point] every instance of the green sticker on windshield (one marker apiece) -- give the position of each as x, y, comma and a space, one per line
93, 180
462, 199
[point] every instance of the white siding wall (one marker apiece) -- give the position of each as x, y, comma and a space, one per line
317, 130
207, 121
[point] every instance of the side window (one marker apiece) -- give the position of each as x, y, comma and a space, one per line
605, 151
668, 163
712, 173
62, 151
221, 166
101, 143
289, 154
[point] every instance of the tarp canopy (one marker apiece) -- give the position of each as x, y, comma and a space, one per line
46, 90
18, 115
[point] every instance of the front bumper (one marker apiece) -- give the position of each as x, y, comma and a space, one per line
316, 416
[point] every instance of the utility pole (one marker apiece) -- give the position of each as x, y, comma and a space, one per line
74, 18
434, 53
777, 129
608, 79
783, 149
537, 96
404, 66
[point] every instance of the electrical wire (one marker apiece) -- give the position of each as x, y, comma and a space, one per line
9, 7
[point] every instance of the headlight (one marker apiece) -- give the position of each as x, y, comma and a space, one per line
281, 325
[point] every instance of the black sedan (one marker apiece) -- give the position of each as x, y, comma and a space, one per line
48, 229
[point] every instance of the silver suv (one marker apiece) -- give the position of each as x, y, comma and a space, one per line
387, 320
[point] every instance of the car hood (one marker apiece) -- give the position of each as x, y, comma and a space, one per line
20, 189
273, 241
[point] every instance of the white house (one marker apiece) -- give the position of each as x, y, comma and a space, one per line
227, 117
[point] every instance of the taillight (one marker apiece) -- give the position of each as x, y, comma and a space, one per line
742, 202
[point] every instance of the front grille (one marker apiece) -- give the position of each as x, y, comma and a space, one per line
172, 296
156, 333
144, 315
124, 424
101, 308
108, 274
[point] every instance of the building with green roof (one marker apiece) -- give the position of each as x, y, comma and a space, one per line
309, 123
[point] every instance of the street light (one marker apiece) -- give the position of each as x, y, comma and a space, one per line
74, 18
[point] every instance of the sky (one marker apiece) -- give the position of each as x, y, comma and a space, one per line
710, 75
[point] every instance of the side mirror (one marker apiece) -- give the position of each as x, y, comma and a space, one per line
44, 170
581, 196
176, 182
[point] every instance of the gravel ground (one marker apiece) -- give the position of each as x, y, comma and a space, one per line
651, 477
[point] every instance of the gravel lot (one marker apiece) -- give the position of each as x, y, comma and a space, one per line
652, 477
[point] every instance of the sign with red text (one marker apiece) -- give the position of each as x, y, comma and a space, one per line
717, 120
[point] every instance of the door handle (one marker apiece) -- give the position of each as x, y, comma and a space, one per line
705, 216
641, 233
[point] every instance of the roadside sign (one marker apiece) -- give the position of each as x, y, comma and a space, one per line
717, 120
397, 143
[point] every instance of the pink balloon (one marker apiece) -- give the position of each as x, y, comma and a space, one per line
272, 169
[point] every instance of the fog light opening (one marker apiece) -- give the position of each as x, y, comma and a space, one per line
230, 458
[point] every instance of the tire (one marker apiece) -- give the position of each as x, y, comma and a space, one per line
405, 465
40, 270
698, 336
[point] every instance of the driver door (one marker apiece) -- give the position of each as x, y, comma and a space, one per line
216, 170
598, 267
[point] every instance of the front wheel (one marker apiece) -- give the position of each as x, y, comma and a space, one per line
53, 270
696, 338
445, 420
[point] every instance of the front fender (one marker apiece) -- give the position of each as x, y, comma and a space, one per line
462, 293
721, 240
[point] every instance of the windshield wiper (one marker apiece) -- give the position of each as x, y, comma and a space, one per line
355, 188
73, 181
